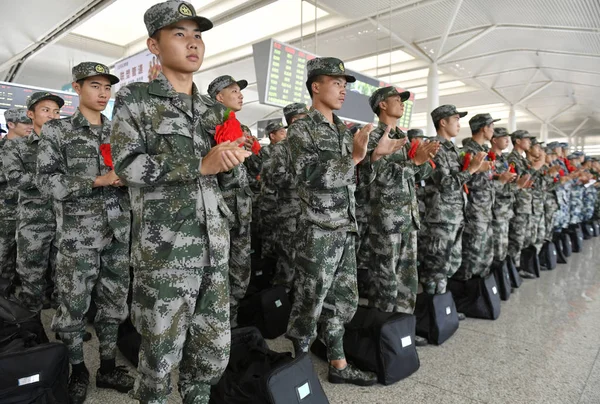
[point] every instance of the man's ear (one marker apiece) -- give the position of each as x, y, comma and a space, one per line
219, 97
152, 45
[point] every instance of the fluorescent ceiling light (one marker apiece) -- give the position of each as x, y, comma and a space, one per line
383, 59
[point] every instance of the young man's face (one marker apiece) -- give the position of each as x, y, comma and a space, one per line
20, 129
44, 111
179, 47
331, 91
488, 132
278, 135
231, 97
451, 125
94, 92
394, 106
501, 142
524, 143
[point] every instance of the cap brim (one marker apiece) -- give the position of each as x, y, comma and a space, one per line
462, 114
405, 95
242, 84
203, 23
2, 130
349, 79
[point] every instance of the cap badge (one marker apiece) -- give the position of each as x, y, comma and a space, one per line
100, 69
342, 67
185, 10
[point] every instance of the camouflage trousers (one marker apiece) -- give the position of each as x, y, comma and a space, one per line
268, 235
183, 318
500, 238
477, 250
362, 246
81, 273
286, 252
442, 255
551, 213
8, 249
519, 235
537, 232
326, 292
239, 268
576, 205
36, 250
393, 274
589, 201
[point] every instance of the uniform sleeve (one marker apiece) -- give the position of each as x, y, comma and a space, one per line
424, 171
130, 155
18, 177
254, 164
280, 175
318, 169
52, 178
444, 179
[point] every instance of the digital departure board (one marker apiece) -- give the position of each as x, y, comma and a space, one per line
16, 95
281, 80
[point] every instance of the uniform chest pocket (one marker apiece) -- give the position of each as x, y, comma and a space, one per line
83, 161
172, 136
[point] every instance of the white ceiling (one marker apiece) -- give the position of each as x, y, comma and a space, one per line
541, 55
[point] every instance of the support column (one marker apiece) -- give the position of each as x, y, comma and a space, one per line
544, 132
433, 96
512, 119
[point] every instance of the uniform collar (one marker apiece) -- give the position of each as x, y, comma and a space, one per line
80, 121
319, 118
162, 87
32, 137
445, 142
393, 131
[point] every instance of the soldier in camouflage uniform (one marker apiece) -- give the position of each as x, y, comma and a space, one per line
394, 213
444, 219
180, 230
478, 247
93, 226
520, 225
577, 191
551, 207
36, 228
19, 126
235, 188
590, 193
504, 186
537, 223
563, 191
268, 193
282, 177
325, 156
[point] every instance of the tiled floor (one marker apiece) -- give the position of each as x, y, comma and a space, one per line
544, 348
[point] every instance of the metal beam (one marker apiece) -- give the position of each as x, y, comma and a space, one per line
529, 83
536, 68
455, 11
535, 92
417, 52
520, 50
580, 126
558, 130
560, 113
466, 43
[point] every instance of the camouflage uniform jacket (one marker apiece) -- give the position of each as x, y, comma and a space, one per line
538, 192
9, 197
447, 198
481, 188
281, 176
393, 199
322, 159
504, 194
179, 216
253, 166
68, 162
268, 194
234, 185
523, 197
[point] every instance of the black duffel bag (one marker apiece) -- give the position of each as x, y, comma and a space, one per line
587, 229
596, 227
255, 374
576, 237
548, 256
34, 374
500, 271
15, 317
530, 261
515, 279
437, 318
268, 310
557, 240
477, 297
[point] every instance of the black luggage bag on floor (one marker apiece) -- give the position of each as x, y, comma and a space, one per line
557, 240
255, 374
530, 261
596, 227
37, 374
548, 256
576, 237
477, 297
437, 318
567, 245
261, 277
500, 271
362, 281
515, 279
268, 310
14, 317
587, 229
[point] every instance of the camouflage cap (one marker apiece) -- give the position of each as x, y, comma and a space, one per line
2, 130
415, 134
563, 145
382, 94
549, 150
444, 111
328, 67
521, 134
500, 132
552, 145
41, 96
169, 12
222, 82
246, 129
535, 141
294, 109
92, 69
572, 156
273, 127
17, 115
481, 120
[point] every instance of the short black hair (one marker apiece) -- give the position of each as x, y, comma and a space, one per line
315, 79
156, 35
81, 81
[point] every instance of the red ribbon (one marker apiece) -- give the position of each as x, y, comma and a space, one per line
492, 156
230, 130
466, 164
414, 144
256, 147
106, 155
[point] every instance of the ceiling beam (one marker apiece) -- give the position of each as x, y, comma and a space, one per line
558, 130
449, 25
536, 68
415, 50
555, 117
535, 92
579, 126
466, 43
536, 51
529, 83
